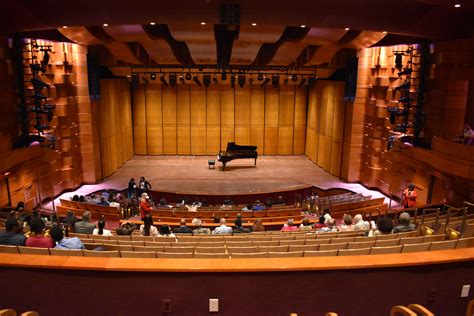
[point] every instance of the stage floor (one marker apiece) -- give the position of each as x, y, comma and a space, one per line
190, 174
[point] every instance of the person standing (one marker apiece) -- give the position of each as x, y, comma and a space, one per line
143, 186
145, 206
132, 186
409, 196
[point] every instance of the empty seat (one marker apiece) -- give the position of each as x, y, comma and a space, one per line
211, 255
317, 241
109, 254
179, 249
354, 252
164, 239
364, 238
303, 248
242, 249
411, 240
465, 242
219, 243
120, 237
188, 238
416, 247
361, 244
431, 238
174, 255
131, 243
239, 243
184, 244
66, 252
283, 248
386, 250
117, 247
250, 255
33, 250
210, 249
339, 240
333, 246
99, 237
387, 242
292, 254
148, 248
138, 254
142, 238
325, 253
443, 245
162, 244
292, 242
266, 243
8, 249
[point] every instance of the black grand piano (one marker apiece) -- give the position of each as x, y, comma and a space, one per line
237, 152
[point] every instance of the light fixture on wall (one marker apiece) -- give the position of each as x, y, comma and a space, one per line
172, 80
153, 76
241, 80
275, 81
163, 80
206, 79
197, 81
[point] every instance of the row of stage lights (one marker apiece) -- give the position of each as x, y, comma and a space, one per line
240, 78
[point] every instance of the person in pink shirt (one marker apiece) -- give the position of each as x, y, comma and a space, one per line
289, 226
37, 239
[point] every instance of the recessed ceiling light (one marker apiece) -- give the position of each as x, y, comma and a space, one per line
254, 24
384, 32
457, 5
105, 24
303, 26
347, 29
152, 23
203, 23
64, 26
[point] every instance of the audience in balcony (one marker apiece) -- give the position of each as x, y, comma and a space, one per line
330, 226
249, 207
258, 225
101, 229
305, 224
37, 238
198, 229
257, 206
165, 231
84, 226
223, 228
384, 227
57, 235
147, 228
113, 202
12, 235
163, 204
347, 224
183, 228
103, 201
289, 226
404, 224
360, 224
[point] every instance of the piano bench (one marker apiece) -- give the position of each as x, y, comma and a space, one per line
211, 163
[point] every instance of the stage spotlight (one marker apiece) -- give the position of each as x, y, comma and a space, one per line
163, 80
398, 60
207, 80
294, 77
181, 79
275, 81
302, 82
153, 76
188, 76
172, 80
37, 67
196, 80
405, 72
224, 76
260, 77
312, 81
232, 81
45, 60
241, 80
403, 86
265, 82
38, 84
214, 79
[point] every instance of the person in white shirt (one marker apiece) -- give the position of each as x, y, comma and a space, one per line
223, 228
101, 230
360, 224
147, 229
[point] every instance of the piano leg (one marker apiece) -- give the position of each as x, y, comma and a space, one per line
255, 162
223, 166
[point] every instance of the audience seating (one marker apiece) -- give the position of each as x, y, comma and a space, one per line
386, 250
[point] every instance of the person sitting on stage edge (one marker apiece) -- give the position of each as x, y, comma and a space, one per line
199, 230
147, 228
37, 239
101, 230
84, 226
12, 235
223, 228
404, 224
289, 226
145, 207
182, 229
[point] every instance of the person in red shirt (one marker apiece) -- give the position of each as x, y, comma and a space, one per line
145, 207
37, 239
289, 227
409, 196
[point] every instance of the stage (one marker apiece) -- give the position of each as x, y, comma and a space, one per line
191, 174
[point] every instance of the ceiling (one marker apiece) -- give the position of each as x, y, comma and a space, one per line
178, 38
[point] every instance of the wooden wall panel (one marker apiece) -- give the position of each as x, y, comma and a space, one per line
198, 121
168, 99
242, 115
183, 119
299, 134
227, 116
271, 121
154, 120
312, 138
257, 116
286, 120
213, 116
139, 120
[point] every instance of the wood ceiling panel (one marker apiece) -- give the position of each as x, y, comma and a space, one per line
200, 41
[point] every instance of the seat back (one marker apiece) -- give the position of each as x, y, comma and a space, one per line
33, 250
289, 254
108, 254
211, 255
325, 253
416, 247
386, 250
354, 252
138, 254
66, 252
250, 255
8, 249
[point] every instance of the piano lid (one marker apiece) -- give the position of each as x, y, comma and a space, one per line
231, 146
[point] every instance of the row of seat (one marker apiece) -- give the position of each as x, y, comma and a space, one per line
243, 252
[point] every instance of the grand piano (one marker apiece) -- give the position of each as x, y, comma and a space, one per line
237, 152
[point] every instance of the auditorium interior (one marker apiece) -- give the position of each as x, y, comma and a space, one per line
281, 111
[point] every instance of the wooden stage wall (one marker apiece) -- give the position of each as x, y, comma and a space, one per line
193, 120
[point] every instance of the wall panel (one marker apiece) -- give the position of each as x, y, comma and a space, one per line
286, 120
227, 116
154, 120
168, 99
242, 115
183, 119
271, 121
198, 121
213, 115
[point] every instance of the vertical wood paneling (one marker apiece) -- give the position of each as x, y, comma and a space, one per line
198, 121
154, 120
271, 121
227, 115
139, 121
183, 119
257, 116
286, 118
299, 136
311, 135
213, 119
242, 115
168, 99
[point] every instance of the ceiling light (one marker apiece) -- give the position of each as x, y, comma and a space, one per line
64, 26
254, 24
347, 29
153, 76
384, 32
457, 5
172, 79
152, 23
303, 26
203, 23
105, 24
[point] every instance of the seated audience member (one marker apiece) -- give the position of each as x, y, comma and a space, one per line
82, 199
182, 229
305, 224
145, 206
330, 226
223, 228
57, 235
384, 226
327, 215
84, 226
165, 231
70, 219
238, 228
75, 198
101, 230
404, 224
113, 202
103, 202
126, 229
191, 208
249, 207
320, 224
278, 201
163, 204
289, 226
257, 206
12, 235
347, 224
147, 229
36, 238
258, 225
204, 202
199, 230
360, 224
